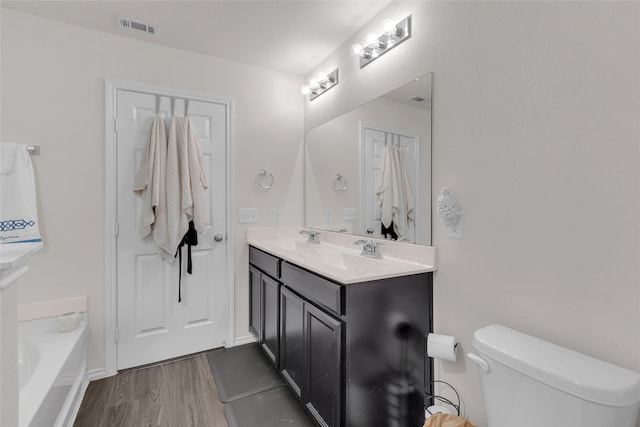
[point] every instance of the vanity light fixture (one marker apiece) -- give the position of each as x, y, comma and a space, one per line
376, 45
320, 85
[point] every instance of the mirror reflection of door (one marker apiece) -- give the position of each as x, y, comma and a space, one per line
374, 139
336, 147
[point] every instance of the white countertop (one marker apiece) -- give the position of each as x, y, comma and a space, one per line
337, 258
13, 260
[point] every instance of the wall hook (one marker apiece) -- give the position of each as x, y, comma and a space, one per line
264, 180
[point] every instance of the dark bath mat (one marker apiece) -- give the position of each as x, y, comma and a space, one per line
241, 371
273, 408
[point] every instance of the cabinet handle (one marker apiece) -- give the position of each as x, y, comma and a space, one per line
218, 237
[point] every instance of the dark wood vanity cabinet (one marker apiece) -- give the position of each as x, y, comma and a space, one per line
264, 297
353, 354
325, 366
312, 359
292, 341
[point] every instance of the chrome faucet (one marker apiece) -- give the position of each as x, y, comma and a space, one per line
370, 248
313, 236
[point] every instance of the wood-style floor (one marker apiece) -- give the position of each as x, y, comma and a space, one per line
175, 394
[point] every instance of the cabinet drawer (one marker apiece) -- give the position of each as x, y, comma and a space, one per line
265, 262
327, 294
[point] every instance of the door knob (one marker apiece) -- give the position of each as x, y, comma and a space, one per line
218, 237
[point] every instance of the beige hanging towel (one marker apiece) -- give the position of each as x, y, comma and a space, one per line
385, 191
186, 182
150, 185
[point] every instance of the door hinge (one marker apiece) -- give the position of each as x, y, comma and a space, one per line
115, 125
116, 337
117, 230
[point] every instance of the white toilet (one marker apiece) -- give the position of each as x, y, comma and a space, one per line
528, 382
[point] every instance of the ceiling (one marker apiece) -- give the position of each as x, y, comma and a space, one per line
290, 36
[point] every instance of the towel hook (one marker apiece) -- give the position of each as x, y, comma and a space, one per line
186, 108
158, 101
339, 183
264, 180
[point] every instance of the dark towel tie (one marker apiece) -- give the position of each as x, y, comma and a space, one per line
189, 239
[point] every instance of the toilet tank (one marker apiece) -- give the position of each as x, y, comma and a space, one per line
528, 382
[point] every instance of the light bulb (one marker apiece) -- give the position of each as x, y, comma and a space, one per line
313, 83
389, 26
372, 39
357, 50
322, 77
305, 90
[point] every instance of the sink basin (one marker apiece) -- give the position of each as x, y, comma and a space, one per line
345, 261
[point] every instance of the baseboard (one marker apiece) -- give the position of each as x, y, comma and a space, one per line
97, 374
247, 339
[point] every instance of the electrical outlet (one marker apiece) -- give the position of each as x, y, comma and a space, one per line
328, 215
275, 217
350, 214
248, 215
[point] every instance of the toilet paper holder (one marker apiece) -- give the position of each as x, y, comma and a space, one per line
439, 398
444, 347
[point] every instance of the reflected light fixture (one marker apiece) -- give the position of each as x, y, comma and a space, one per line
320, 84
376, 45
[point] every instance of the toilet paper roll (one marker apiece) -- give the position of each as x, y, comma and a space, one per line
442, 347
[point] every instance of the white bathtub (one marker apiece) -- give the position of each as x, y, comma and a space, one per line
51, 367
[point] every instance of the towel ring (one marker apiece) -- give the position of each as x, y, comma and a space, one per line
339, 183
264, 180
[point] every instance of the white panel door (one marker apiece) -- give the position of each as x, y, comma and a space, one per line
374, 140
151, 324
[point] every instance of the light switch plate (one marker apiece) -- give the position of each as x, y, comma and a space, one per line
248, 215
350, 214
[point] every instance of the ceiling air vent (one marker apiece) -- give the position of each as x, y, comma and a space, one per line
136, 25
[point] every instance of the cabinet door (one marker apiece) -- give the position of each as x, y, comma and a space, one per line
323, 336
255, 303
292, 341
270, 318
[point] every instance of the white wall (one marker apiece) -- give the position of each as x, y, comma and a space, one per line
536, 108
53, 95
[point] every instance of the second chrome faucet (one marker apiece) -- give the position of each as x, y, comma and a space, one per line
314, 236
370, 248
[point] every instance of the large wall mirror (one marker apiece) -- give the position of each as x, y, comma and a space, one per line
378, 153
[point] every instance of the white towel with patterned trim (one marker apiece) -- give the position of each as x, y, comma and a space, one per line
18, 206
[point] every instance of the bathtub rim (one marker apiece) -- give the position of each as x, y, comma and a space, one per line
55, 348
